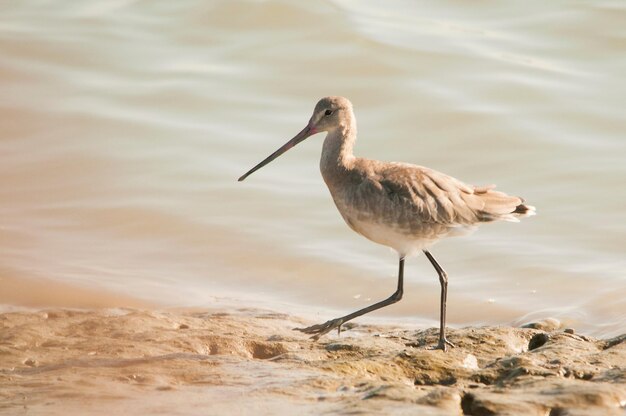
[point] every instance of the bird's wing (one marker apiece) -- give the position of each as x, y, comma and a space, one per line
423, 194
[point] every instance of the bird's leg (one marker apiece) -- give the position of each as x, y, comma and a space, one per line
443, 281
321, 329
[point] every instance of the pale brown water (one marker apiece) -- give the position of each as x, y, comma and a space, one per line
126, 123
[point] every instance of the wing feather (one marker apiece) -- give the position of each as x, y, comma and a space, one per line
407, 194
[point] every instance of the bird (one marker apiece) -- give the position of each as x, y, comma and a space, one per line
400, 205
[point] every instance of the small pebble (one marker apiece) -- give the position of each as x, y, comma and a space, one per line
183, 326
470, 362
569, 330
31, 362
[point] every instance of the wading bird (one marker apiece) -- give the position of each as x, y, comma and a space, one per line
402, 206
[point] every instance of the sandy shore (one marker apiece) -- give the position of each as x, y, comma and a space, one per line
249, 361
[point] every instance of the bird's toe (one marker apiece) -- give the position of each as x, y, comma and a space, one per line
321, 329
443, 345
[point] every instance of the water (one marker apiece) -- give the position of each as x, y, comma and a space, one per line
126, 123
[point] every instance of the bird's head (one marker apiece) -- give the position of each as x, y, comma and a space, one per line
329, 114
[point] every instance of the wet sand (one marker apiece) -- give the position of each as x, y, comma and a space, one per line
236, 360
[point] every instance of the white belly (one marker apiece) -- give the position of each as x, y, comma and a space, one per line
405, 242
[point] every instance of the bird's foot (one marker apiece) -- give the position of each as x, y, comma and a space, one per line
443, 345
321, 329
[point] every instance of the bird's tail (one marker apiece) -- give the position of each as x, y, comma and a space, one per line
500, 206
523, 210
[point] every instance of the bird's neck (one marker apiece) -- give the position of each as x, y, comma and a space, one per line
337, 156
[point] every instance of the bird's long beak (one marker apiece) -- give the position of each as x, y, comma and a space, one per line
306, 132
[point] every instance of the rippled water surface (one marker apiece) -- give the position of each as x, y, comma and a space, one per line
124, 125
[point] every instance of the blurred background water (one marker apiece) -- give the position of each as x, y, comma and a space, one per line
125, 124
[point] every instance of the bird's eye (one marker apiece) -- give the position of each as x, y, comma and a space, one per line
328, 112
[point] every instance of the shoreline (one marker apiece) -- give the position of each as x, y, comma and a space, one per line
226, 360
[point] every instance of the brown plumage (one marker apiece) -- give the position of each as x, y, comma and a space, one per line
403, 206
410, 195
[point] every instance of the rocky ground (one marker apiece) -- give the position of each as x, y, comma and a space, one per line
250, 361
